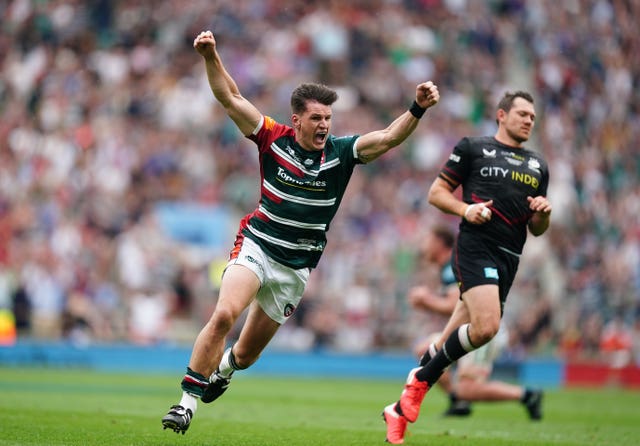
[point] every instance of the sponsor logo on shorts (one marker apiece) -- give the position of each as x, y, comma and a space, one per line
491, 273
289, 309
254, 261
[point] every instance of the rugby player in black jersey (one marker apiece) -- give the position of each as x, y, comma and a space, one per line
504, 187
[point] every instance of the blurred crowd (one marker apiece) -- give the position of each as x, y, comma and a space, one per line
106, 112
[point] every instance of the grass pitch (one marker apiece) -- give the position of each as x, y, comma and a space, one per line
75, 407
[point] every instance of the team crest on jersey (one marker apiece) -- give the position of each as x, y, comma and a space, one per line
489, 153
308, 162
289, 309
534, 164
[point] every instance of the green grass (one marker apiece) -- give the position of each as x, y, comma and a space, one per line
73, 407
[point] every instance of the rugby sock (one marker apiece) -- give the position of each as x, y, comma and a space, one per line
189, 401
430, 353
228, 364
194, 383
455, 347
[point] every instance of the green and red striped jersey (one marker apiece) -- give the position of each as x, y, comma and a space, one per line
300, 193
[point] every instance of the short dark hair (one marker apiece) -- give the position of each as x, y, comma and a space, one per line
507, 100
304, 93
445, 234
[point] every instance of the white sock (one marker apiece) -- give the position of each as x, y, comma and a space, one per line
225, 369
189, 401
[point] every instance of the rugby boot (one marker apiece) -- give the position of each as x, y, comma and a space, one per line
217, 386
177, 419
396, 424
534, 404
412, 396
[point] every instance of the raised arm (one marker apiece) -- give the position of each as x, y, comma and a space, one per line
224, 88
371, 145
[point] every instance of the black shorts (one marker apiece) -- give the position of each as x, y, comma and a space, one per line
480, 262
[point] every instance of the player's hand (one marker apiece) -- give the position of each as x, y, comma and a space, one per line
205, 44
541, 217
427, 94
419, 296
539, 204
478, 213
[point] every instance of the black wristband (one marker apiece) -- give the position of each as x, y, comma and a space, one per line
416, 110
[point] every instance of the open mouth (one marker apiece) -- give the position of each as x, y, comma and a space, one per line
320, 138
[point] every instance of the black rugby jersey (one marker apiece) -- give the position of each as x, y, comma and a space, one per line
489, 170
300, 193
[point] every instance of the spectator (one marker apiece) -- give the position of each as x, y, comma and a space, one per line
94, 95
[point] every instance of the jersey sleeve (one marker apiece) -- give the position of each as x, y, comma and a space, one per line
347, 149
544, 181
456, 168
267, 131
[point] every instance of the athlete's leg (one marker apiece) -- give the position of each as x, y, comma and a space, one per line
422, 347
472, 384
281, 291
424, 354
256, 333
238, 288
460, 316
483, 305
457, 405
430, 346
473, 390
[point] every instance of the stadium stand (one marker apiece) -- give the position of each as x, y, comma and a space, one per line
107, 122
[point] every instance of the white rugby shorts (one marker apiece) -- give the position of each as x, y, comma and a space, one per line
281, 287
